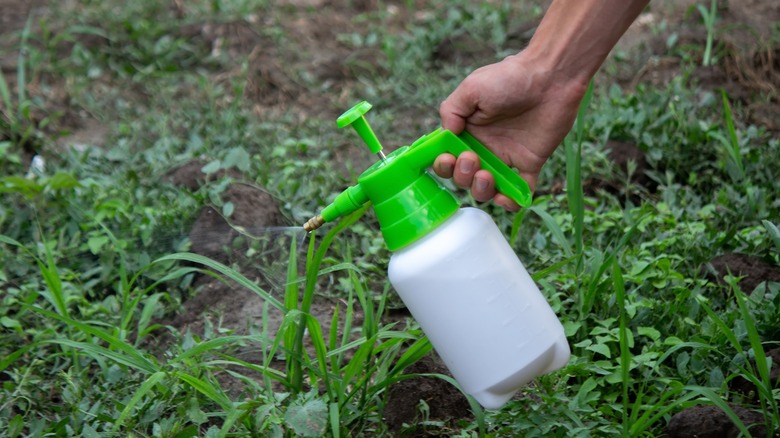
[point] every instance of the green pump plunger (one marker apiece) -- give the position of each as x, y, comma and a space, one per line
409, 202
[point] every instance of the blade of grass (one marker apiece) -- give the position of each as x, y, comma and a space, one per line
210, 345
625, 354
21, 76
708, 17
291, 302
574, 193
549, 269
724, 329
753, 336
517, 222
588, 295
150, 382
231, 360
710, 395
136, 359
12, 357
333, 415
774, 233
320, 351
759, 355
98, 352
214, 393
151, 304
313, 263
554, 228
227, 272
732, 146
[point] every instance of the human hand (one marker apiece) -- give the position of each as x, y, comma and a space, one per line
519, 110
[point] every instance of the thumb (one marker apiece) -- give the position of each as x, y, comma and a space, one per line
455, 109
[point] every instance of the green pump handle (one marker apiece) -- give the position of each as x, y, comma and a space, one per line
399, 184
507, 180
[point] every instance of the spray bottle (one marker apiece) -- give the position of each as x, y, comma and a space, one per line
453, 268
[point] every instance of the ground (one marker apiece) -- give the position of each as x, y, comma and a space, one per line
750, 73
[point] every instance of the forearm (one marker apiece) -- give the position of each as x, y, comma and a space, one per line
575, 36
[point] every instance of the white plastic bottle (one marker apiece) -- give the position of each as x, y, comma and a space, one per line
478, 306
453, 268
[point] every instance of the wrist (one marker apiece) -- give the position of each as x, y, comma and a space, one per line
575, 37
551, 79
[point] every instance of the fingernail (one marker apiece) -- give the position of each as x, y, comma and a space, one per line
446, 168
480, 184
466, 166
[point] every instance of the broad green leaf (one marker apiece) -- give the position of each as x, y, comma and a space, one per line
650, 332
139, 394
774, 233
601, 349
62, 181
209, 390
211, 167
237, 157
308, 420
95, 243
10, 323
227, 209
554, 228
16, 426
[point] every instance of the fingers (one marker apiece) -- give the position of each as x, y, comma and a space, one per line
444, 165
506, 203
465, 172
456, 108
483, 187
466, 167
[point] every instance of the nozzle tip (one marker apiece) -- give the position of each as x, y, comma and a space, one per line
313, 223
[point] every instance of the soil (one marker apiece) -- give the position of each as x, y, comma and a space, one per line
749, 71
752, 270
446, 403
255, 213
622, 154
711, 422
747, 389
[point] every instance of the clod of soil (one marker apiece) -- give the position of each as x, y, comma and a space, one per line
711, 422
754, 270
621, 154
463, 49
254, 209
446, 402
191, 177
743, 386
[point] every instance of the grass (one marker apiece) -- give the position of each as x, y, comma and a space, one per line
86, 286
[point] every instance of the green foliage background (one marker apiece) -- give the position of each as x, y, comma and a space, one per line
87, 264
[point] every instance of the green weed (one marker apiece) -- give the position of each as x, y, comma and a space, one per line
86, 274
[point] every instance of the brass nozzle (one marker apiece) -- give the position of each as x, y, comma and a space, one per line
313, 223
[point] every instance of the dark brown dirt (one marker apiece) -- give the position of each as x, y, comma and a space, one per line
224, 305
747, 389
746, 48
446, 403
754, 270
219, 238
254, 210
711, 422
620, 154
191, 177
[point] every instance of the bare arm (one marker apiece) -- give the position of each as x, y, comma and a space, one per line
523, 106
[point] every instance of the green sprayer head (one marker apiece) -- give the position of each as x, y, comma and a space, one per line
409, 202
